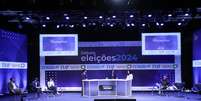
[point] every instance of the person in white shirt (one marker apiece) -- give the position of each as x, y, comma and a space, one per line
129, 75
51, 86
130, 79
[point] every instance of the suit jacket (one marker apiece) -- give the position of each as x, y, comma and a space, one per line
11, 87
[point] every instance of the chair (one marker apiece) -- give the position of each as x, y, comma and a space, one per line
158, 87
180, 87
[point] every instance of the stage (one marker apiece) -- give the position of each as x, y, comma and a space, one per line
139, 96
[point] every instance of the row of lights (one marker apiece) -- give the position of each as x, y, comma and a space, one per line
84, 25
101, 17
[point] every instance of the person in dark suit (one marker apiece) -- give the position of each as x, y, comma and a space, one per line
83, 77
13, 88
36, 86
84, 74
113, 74
164, 82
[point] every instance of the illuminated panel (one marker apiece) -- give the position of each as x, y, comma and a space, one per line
161, 43
58, 45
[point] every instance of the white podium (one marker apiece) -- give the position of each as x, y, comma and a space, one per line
107, 87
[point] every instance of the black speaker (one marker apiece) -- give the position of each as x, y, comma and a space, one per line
114, 99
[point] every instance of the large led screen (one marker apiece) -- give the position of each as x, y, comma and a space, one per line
161, 43
58, 45
13, 59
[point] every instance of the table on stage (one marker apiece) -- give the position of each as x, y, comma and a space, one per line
105, 87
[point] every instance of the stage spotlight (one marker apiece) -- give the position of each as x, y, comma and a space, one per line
27, 18
143, 25
149, 15
58, 26
128, 25
47, 18
157, 24
65, 14
113, 16
131, 16
71, 26
179, 23
132, 24
186, 14
83, 25
93, 23
67, 18
169, 15
43, 25
100, 17
162, 24
112, 25
85, 17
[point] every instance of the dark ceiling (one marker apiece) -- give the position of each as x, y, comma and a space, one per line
96, 4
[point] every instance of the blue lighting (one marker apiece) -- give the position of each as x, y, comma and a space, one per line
100, 17
85, 17
179, 24
71, 26
93, 23
132, 24
27, 18
186, 14
58, 26
149, 15
113, 16
131, 16
170, 15
47, 18
157, 24
43, 25
67, 18
83, 25
111, 25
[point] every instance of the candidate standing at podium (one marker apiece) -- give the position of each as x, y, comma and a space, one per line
83, 77
129, 77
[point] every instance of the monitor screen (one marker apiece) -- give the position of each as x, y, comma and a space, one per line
58, 45
161, 43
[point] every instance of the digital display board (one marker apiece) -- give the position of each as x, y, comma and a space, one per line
161, 43
58, 45
13, 59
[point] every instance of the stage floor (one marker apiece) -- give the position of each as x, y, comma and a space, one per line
139, 96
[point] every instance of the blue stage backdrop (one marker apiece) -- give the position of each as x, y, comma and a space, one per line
197, 56
13, 59
100, 58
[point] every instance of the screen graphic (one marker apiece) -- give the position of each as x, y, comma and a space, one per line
58, 45
161, 44
13, 59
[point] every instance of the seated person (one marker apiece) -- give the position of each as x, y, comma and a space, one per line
164, 82
12, 87
129, 76
36, 86
51, 86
